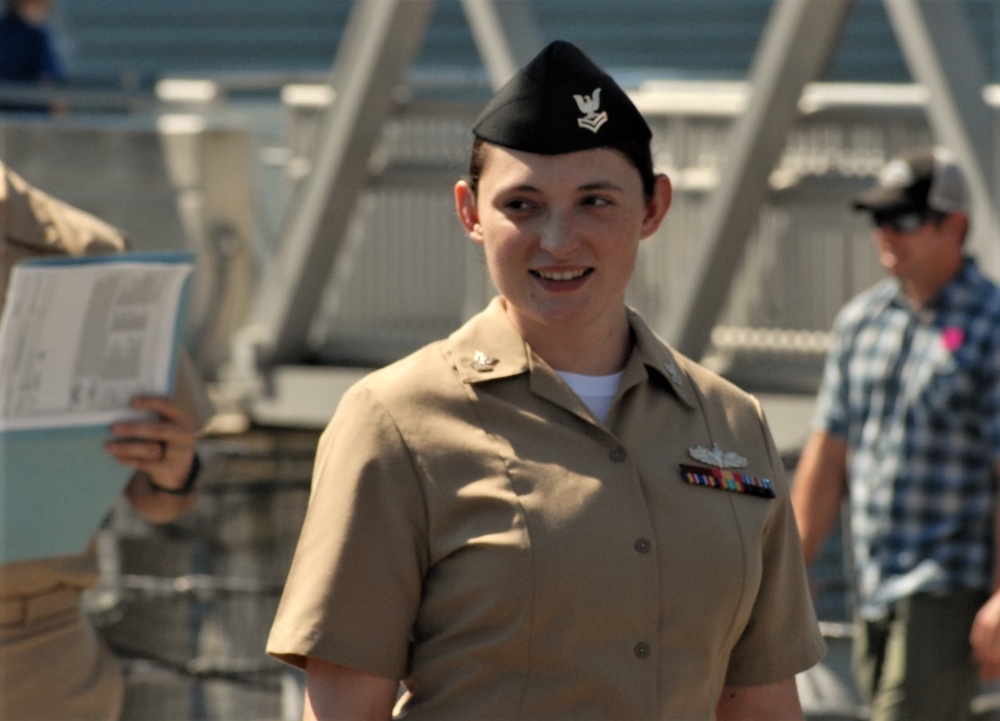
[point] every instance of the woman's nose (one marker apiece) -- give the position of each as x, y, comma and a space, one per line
559, 237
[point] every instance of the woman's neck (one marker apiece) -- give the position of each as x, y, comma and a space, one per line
584, 351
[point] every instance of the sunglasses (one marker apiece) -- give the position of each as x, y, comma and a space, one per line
906, 222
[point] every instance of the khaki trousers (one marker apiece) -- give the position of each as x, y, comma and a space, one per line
53, 665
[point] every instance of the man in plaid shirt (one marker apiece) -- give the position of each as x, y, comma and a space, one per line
907, 427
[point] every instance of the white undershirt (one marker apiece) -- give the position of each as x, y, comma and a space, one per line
597, 392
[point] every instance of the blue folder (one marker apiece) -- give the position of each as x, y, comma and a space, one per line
57, 485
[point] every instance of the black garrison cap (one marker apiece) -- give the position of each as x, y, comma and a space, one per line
561, 102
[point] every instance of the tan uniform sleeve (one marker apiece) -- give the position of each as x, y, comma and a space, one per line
782, 637
33, 223
354, 586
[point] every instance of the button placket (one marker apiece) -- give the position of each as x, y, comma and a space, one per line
642, 545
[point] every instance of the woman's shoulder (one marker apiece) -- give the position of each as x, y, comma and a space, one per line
423, 374
47, 225
710, 383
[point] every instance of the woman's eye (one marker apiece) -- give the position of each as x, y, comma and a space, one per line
518, 204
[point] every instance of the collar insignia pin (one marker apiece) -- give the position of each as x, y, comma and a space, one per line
673, 371
483, 362
718, 457
589, 105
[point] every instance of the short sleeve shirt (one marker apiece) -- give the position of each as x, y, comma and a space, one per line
916, 395
474, 531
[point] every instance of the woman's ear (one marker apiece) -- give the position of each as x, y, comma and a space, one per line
658, 205
465, 208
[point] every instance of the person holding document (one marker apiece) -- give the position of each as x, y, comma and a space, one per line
52, 663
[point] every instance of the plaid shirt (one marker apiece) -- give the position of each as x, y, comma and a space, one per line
916, 395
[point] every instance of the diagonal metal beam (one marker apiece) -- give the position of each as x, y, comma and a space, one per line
797, 44
507, 35
380, 41
944, 56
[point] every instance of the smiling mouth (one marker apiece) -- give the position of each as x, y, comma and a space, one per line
561, 275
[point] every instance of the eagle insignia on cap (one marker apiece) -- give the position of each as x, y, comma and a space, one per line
589, 105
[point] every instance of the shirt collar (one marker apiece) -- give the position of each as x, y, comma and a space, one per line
651, 353
957, 290
489, 348
952, 292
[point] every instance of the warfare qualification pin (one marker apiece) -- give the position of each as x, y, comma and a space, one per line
717, 457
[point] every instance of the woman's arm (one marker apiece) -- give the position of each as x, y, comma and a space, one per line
335, 692
770, 702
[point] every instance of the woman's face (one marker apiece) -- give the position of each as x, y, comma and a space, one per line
561, 233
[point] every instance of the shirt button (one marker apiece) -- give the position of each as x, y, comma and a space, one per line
617, 455
643, 545
642, 650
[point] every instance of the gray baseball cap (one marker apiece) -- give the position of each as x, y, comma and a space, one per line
916, 180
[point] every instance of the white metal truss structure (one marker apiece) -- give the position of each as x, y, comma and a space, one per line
382, 40
797, 44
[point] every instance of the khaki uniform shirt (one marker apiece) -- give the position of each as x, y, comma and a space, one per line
475, 531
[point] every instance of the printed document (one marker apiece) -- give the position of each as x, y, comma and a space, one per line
79, 337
